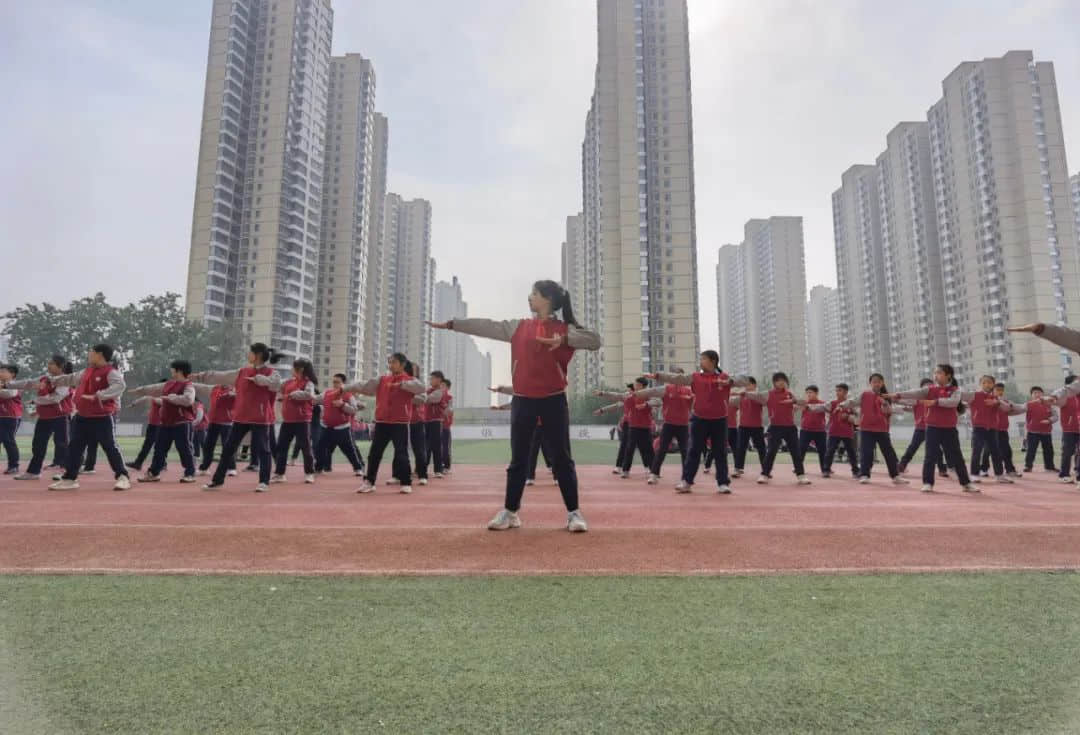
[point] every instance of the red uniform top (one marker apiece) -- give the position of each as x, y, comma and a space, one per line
204, 422
1038, 418
11, 408
419, 411
67, 405
839, 420
941, 417
448, 419
93, 380
392, 404
984, 416
437, 411
639, 412
49, 410
1070, 421
254, 402
781, 403
537, 370
171, 414
1002, 421
813, 420
750, 414
920, 415
677, 401
222, 399
711, 394
732, 414
333, 416
872, 416
153, 418
295, 412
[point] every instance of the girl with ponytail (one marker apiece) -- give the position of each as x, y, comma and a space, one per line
257, 385
540, 351
297, 398
52, 403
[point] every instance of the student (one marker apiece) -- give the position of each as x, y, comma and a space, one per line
639, 415
222, 402
447, 438
11, 411
943, 408
1006, 409
622, 427
812, 426
985, 409
175, 400
781, 403
540, 350
338, 408
314, 426
199, 427
52, 403
841, 430
256, 387
537, 446
734, 405
438, 401
1069, 404
711, 388
1041, 418
417, 431
875, 410
298, 395
676, 401
751, 429
98, 388
394, 393
150, 432
918, 436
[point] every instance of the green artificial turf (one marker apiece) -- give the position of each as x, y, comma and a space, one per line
978, 653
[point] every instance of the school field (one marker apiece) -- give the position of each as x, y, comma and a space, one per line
314, 609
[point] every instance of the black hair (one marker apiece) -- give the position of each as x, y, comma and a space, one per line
11, 368
183, 366
268, 354
629, 386
438, 374
780, 376
883, 390
559, 298
1070, 379
925, 381
984, 377
342, 376
843, 386
712, 355
410, 369
813, 388
63, 363
948, 370
447, 382
751, 380
104, 350
1035, 388
999, 385
642, 381
306, 369
400, 357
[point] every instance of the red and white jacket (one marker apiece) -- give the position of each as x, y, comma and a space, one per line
97, 390
813, 415
297, 398
676, 401
256, 392
393, 396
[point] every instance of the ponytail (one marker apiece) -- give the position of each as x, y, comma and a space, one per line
306, 369
62, 362
559, 298
269, 355
948, 370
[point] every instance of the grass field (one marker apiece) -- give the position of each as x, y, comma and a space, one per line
979, 653
469, 451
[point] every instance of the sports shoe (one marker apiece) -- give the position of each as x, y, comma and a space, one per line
724, 490
213, 486
969, 488
366, 488
826, 475
359, 472
984, 474
707, 470
11, 471
232, 473
864, 480
624, 475
682, 486
65, 485
503, 520
616, 471
737, 473
653, 479
1017, 475
393, 481
900, 481
763, 480
148, 477
309, 479
976, 478
25, 476
277, 479
59, 476
251, 468
262, 487
88, 472
122, 483
928, 488
422, 481
405, 489
530, 483
1003, 480
133, 466
438, 475
575, 522
802, 480
1064, 480
944, 474
187, 479
203, 473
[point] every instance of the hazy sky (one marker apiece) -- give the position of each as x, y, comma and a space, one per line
486, 101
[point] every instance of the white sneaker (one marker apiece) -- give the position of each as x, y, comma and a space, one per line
763, 480
682, 487
309, 479
231, 473
707, 470
122, 483
58, 477
212, 486
900, 481
653, 479
624, 475
724, 490
969, 488
366, 488
864, 480
359, 473
737, 473
1018, 475
262, 488
438, 475
503, 520
25, 476
150, 478
928, 488
422, 481
616, 471
575, 522
802, 480
976, 479
203, 473
187, 479
65, 485
393, 481
1003, 480
530, 483
277, 479
405, 489
1064, 480
88, 472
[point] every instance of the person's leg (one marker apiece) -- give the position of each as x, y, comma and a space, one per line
105, 431
447, 442
322, 450
208, 447
852, 454
667, 433
228, 452
1068, 448
716, 430
624, 440
39, 446
149, 442
917, 439
348, 448
523, 415
830, 452
79, 436
8, 427
1032, 448
260, 450
433, 437
555, 415
884, 441
740, 449
866, 452
163, 439
380, 437
697, 446
303, 442
772, 447
682, 436
950, 443
644, 447
932, 454
805, 439
1005, 447
535, 445
821, 440
790, 437
90, 460
1048, 452
990, 446
399, 436
757, 438
978, 442
182, 440
418, 440
288, 430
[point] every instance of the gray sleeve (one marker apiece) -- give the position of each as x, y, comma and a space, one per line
53, 398
675, 378
1061, 336
412, 386
756, 397
68, 380
740, 381
271, 381
115, 388
951, 402
649, 393
27, 384
917, 394
486, 328
202, 389
187, 398
152, 390
434, 396
218, 377
367, 387
506, 390
349, 407
9, 393
582, 339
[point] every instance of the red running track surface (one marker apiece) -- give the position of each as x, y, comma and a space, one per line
831, 526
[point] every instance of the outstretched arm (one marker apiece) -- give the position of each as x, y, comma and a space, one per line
187, 398
68, 380
365, 387
657, 392
216, 377
506, 390
673, 378
1061, 336
502, 331
153, 390
607, 409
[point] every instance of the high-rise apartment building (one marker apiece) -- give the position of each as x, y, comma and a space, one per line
1005, 221
639, 148
731, 312
1074, 186
258, 194
374, 317
341, 298
860, 275
582, 376
408, 278
823, 340
911, 256
591, 298
457, 354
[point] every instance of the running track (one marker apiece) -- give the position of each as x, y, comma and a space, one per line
831, 526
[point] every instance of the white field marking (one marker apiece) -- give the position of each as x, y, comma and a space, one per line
480, 526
